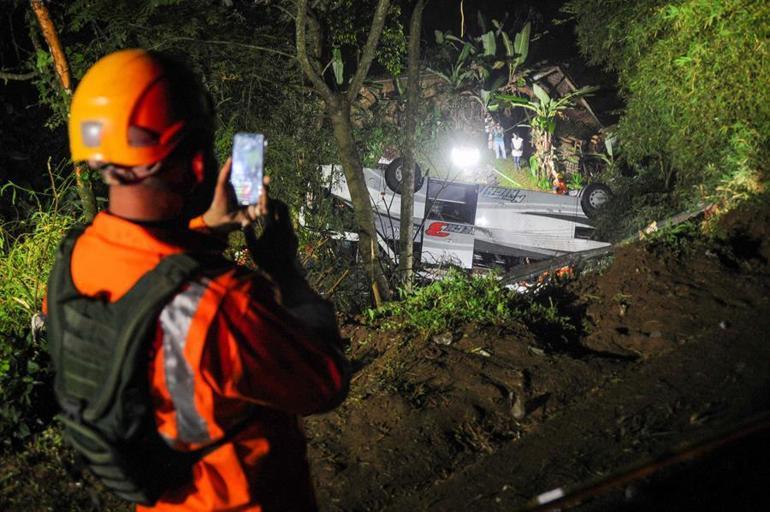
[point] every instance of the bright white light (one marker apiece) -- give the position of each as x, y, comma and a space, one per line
464, 156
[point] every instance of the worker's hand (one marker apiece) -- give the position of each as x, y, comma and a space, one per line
224, 214
275, 251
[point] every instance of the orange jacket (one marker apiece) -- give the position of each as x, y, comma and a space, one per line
560, 187
223, 346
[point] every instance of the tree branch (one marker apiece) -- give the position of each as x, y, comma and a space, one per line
369, 49
311, 71
52, 38
233, 43
5, 76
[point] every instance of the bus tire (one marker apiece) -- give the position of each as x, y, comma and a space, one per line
393, 176
593, 197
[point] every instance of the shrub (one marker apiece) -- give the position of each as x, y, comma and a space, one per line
460, 299
694, 74
27, 251
445, 304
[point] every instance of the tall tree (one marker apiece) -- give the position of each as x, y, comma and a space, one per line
406, 256
61, 64
338, 109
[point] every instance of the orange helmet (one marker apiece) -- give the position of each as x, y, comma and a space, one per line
127, 111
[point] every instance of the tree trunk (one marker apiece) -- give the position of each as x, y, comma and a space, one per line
406, 232
86, 193
359, 197
338, 108
544, 151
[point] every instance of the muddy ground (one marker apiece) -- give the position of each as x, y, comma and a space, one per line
672, 349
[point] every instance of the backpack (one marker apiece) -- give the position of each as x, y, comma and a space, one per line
100, 353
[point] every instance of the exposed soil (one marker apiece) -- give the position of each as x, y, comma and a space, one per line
673, 349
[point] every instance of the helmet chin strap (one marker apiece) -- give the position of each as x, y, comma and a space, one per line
115, 175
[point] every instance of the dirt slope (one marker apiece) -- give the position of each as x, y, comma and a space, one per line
675, 348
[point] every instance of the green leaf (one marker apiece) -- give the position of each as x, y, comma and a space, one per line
485, 95
467, 49
450, 37
541, 94
509, 47
489, 42
440, 74
608, 144
518, 101
338, 66
521, 42
439, 37
42, 60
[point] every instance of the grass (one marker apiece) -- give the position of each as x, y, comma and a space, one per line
446, 304
27, 252
460, 299
517, 178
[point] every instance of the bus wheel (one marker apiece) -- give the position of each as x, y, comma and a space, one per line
393, 176
593, 197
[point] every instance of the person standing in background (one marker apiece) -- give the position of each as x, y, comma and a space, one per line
498, 136
517, 144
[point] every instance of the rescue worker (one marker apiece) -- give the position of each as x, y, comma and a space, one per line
559, 185
229, 345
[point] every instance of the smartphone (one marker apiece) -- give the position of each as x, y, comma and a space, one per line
248, 166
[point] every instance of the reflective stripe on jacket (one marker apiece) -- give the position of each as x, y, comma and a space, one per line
224, 349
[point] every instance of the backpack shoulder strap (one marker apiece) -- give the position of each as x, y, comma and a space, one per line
135, 315
60, 278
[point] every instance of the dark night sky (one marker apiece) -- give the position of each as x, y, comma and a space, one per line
445, 14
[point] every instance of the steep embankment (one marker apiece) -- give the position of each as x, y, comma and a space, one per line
675, 339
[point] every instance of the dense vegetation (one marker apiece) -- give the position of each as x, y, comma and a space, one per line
696, 125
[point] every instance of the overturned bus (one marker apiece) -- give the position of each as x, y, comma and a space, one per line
471, 224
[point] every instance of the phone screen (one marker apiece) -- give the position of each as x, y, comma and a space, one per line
248, 162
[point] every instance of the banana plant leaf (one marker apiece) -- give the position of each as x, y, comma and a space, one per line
450, 37
440, 75
521, 42
509, 48
541, 94
467, 49
338, 66
489, 42
518, 101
